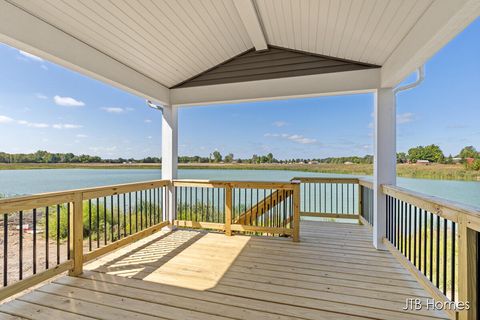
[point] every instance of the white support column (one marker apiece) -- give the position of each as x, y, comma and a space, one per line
385, 158
169, 157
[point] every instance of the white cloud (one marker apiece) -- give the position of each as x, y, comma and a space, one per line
30, 56
298, 138
405, 117
44, 67
66, 126
280, 124
114, 110
5, 119
103, 149
149, 137
33, 124
68, 101
81, 136
147, 121
41, 96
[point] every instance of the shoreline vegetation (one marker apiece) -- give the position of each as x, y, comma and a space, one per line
431, 171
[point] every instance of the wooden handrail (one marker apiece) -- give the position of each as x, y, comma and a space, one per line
325, 180
233, 184
447, 209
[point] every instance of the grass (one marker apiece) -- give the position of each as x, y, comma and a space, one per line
432, 171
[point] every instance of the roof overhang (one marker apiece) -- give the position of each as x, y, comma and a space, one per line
110, 48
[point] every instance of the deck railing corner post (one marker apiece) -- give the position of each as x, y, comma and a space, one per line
76, 231
467, 269
296, 210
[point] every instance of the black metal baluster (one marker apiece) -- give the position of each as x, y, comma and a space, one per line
5, 249
141, 210
410, 232
68, 231
445, 233
136, 211
34, 253
452, 266
124, 215
97, 224
387, 220
130, 212
119, 228
111, 216
425, 231
89, 224
47, 245
20, 246
151, 208
105, 234
419, 239
431, 247
58, 234
437, 264
415, 237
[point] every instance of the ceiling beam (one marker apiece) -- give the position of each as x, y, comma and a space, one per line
441, 22
26, 32
248, 13
348, 82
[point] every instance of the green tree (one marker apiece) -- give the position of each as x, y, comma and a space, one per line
229, 158
432, 153
217, 156
401, 157
468, 152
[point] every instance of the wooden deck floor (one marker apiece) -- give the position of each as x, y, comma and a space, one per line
333, 273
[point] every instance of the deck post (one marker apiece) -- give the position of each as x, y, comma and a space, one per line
385, 159
228, 211
76, 235
169, 158
468, 242
296, 210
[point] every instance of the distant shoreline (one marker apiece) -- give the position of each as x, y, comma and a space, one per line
432, 171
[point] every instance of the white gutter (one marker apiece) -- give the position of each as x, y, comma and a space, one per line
420, 78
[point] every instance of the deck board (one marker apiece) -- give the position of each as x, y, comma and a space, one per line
333, 273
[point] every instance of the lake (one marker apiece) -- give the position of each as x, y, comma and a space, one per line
22, 182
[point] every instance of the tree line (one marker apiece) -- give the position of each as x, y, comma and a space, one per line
431, 153
48, 157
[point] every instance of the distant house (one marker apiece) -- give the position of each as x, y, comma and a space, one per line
313, 162
423, 162
457, 160
469, 161
348, 162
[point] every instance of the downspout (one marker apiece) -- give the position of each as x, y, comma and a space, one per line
154, 106
420, 78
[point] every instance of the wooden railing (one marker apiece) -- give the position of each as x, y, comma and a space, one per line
336, 198
438, 241
47, 234
247, 207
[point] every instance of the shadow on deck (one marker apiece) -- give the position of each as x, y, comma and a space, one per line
333, 273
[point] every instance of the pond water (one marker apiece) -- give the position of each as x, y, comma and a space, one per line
21, 182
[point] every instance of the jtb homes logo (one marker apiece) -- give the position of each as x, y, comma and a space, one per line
431, 304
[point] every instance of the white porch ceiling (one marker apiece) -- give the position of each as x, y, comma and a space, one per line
165, 42
171, 41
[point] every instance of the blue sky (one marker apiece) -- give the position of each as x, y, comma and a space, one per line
44, 106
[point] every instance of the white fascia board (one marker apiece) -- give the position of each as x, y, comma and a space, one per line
26, 32
249, 16
348, 82
441, 22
